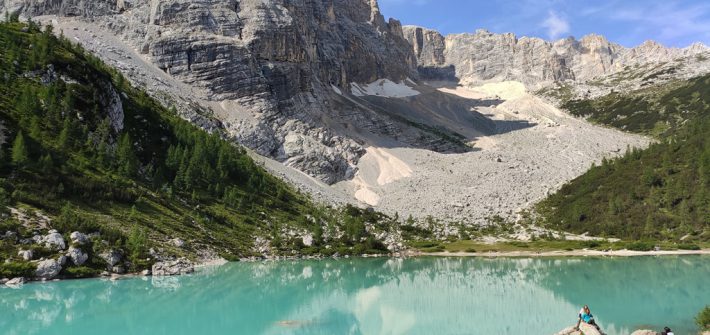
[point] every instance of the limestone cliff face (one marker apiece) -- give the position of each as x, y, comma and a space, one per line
270, 64
487, 57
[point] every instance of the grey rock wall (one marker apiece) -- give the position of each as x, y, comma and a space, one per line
273, 61
483, 56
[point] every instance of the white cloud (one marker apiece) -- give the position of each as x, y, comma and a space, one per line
670, 20
556, 25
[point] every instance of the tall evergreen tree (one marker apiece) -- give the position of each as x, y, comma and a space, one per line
20, 154
126, 157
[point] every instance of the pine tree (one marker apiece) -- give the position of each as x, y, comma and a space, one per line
46, 164
20, 156
65, 136
126, 157
4, 200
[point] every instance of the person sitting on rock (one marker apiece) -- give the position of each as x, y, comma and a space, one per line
586, 315
667, 331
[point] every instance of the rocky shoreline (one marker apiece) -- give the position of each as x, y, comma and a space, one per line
183, 266
567, 253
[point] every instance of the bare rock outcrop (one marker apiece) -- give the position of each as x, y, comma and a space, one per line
172, 268
77, 256
645, 332
265, 69
483, 56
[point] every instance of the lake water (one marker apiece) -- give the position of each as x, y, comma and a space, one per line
373, 296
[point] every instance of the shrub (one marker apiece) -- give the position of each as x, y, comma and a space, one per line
81, 272
437, 248
703, 319
17, 269
688, 246
424, 244
137, 243
640, 246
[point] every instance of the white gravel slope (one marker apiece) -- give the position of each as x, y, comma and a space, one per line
511, 171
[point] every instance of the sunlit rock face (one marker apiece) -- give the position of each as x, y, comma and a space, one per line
274, 62
483, 56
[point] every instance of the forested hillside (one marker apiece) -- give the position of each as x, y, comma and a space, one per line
662, 192
99, 156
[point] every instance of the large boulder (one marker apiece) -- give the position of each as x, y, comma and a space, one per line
588, 329
172, 268
645, 332
77, 256
79, 238
26, 255
48, 269
54, 240
112, 257
307, 240
584, 329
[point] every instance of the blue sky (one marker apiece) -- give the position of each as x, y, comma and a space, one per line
628, 22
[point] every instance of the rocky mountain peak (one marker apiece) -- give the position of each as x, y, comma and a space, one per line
484, 57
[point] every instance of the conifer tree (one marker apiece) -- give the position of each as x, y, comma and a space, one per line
126, 157
20, 155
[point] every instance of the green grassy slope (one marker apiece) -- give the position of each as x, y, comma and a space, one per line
662, 192
158, 177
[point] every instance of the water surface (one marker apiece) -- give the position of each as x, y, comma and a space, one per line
373, 296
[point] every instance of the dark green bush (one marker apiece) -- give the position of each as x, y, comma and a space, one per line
80, 272
703, 319
641, 246
424, 244
688, 246
17, 269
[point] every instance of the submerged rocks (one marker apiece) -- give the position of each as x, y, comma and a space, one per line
79, 238
172, 268
48, 269
77, 256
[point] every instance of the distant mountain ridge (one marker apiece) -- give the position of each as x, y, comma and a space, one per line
481, 57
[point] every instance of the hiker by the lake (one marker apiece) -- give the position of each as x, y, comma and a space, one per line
585, 315
667, 331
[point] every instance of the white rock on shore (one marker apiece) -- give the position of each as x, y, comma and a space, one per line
172, 268
645, 332
584, 329
48, 269
14, 282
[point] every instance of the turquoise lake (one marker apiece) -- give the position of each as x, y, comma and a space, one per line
373, 296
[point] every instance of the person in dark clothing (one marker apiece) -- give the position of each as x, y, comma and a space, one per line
667, 331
